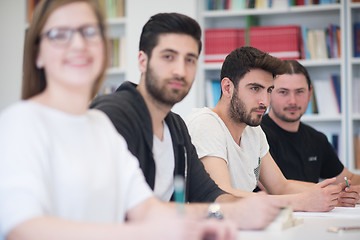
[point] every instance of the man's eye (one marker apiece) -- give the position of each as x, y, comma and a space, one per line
191, 60
168, 57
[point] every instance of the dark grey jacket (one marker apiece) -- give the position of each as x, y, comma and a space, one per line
127, 110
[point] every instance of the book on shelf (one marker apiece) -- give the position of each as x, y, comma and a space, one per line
220, 42
325, 97
334, 140
356, 39
334, 41
312, 106
113, 8
355, 95
213, 90
279, 41
304, 48
336, 87
31, 4
117, 52
357, 150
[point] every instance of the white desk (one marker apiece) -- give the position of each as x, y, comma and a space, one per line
314, 227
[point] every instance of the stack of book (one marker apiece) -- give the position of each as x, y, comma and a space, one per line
220, 42
321, 43
279, 41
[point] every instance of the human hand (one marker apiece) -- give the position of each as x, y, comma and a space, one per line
322, 197
256, 212
349, 196
185, 228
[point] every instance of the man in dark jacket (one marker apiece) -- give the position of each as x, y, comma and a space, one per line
170, 44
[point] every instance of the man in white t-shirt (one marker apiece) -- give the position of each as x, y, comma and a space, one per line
232, 145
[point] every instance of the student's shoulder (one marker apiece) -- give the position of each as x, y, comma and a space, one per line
123, 96
201, 115
22, 110
311, 132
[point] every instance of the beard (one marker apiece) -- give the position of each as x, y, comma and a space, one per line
282, 116
239, 113
160, 93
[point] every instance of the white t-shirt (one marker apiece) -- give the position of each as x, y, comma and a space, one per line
211, 137
74, 167
163, 153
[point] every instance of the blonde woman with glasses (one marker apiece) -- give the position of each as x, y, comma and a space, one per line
64, 171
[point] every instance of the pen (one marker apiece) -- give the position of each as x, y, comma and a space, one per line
347, 183
179, 193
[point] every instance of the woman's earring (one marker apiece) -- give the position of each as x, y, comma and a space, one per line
39, 64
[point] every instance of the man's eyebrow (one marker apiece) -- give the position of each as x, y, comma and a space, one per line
193, 55
255, 85
169, 50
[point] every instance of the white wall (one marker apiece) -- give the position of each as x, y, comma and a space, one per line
12, 21
12, 28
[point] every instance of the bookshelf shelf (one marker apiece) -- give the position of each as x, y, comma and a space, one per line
270, 11
354, 5
321, 118
321, 63
356, 117
355, 61
116, 21
116, 71
353, 70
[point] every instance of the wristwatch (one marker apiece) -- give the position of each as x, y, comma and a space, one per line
214, 211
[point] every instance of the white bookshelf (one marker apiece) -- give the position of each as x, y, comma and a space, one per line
353, 72
313, 17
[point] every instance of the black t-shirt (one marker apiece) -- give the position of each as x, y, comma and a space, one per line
305, 155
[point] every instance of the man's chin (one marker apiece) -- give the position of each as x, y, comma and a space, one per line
292, 118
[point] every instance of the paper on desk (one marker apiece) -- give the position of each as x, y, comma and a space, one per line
343, 212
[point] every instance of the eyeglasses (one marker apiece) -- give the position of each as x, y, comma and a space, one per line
62, 36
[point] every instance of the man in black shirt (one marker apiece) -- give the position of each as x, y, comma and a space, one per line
301, 152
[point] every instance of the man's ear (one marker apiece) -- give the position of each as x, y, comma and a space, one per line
142, 61
310, 92
227, 87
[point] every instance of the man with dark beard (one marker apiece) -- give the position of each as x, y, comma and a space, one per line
232, 145
170, 44
301, 152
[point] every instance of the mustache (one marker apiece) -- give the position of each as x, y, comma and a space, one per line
178, 79
259, 108
292, 108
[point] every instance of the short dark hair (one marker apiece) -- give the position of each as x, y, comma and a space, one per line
294, 67
163, 23
242, 60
